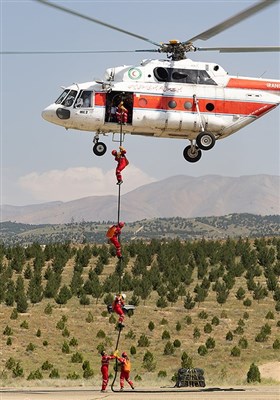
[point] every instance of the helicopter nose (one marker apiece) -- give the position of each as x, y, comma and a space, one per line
49, 114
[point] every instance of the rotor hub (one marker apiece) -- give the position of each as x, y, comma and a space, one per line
176, 49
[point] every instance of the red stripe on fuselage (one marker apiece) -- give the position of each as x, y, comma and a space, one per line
256, 84
166, 103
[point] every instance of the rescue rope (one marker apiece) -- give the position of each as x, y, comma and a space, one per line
119, 210
120, 273
116, 365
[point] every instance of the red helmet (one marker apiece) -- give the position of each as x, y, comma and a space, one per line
124, 354
121, 224
114, 152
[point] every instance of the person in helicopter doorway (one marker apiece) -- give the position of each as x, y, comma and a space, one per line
117, 306
122, 114
122, 162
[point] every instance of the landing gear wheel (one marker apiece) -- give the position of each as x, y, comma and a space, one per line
99, 149
205, 140
192, 154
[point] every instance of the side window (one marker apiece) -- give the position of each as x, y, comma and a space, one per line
84, 100
194, 76
204, 78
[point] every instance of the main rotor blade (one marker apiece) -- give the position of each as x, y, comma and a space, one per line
97, 21
79, 52
232, 21
239, 49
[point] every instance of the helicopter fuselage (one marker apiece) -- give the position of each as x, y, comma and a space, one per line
172, 99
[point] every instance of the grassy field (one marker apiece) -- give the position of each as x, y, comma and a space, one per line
220, 367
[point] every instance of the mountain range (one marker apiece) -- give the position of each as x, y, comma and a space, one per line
177, 196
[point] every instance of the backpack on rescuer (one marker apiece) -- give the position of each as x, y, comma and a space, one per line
110, 232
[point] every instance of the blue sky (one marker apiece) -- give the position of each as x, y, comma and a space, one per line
43, 162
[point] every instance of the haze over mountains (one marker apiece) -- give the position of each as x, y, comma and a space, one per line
177, 196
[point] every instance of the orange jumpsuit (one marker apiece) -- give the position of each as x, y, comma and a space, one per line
125, 372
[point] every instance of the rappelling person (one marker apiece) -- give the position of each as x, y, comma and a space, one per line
105, 359
122, 161
125, 370
122, 114
113, 234
117, 306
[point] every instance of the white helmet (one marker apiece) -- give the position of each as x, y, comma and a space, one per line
124, 296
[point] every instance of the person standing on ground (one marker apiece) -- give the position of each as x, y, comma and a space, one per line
105, 359
125, 370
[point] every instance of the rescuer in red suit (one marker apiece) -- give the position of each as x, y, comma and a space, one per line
105, 359
122, 161
125, 370
113, 234
122, 113
117, 306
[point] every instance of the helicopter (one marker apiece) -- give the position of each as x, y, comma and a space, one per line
174, 97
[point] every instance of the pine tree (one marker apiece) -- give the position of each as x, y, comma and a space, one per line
20, 297
253, 375
188, 302
35, 289
64, 295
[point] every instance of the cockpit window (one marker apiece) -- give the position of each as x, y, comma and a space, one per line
62, 96
69, 100
84, 99
195, 76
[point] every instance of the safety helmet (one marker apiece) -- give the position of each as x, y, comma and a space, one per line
121, 224
114, 152
124, 296
124, 354
103, 352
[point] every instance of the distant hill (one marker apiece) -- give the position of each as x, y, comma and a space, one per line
232, 225
177, 196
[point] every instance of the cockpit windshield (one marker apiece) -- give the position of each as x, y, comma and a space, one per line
67, 98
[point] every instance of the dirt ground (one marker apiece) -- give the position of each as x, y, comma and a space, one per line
270, 371
252, 393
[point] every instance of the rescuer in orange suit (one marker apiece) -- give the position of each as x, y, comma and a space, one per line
125, 370
122, 161
113, 234
117, 307
122, 113
105, 359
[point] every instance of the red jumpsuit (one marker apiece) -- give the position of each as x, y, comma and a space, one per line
117, 307
121, 114
115, 240
122, 163
125, 372
105, 370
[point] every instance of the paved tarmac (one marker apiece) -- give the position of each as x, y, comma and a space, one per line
251, 393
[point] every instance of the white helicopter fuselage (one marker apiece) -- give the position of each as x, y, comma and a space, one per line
172, 99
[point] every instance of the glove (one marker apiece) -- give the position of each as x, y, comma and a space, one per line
116, 353
121, 148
